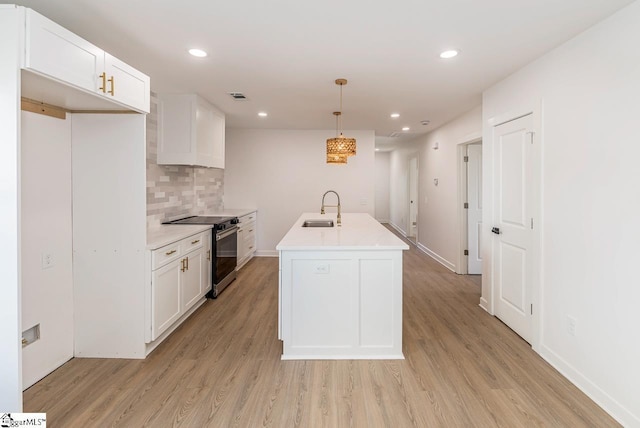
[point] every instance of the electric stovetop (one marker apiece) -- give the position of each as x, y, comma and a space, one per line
200, 219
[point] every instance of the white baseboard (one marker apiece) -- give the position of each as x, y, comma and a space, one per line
593, 391
266, 253
396, 227
484, 304
444, 262
383, 220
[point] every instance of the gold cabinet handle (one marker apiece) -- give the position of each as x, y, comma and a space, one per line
251, 230
103, 88
208, 255
195, 242
251, 247
112, 90
187, 259
168, 253
184, 267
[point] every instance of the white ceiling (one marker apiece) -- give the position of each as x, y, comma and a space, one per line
284, 55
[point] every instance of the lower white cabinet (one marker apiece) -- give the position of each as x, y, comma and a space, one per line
165, 296
191, 281
180, 278
246, 238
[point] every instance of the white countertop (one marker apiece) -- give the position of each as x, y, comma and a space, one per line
169, 233
359, 231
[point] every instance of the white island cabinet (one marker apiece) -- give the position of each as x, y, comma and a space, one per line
340, 293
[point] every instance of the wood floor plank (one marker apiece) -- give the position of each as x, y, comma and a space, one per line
222, 368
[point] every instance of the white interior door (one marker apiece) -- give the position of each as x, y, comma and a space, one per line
512, 228
413, 197
474, 212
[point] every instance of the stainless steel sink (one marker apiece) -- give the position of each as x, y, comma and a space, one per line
317, 223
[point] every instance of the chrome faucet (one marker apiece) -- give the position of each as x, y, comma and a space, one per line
338, 206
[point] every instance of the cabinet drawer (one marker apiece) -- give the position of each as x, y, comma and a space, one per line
250, 242
193, 242
246, 219
164, 255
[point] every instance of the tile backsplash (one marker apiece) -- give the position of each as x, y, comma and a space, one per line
177, 190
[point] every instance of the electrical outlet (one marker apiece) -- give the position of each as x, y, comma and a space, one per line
571, 325
47, 260
363, 201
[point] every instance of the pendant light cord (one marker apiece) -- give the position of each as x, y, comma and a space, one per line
340, 117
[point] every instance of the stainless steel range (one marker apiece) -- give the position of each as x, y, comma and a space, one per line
224, 248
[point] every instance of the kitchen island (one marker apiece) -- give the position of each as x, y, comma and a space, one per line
340, 290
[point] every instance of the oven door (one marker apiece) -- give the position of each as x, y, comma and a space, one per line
226, 254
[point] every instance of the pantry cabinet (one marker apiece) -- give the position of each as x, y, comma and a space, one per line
53, 51
191, 131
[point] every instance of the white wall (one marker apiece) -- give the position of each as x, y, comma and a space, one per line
437, 205
588, 91
382, 183
10, 326
283, 173
47, 294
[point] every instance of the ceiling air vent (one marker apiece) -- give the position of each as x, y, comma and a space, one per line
237, 95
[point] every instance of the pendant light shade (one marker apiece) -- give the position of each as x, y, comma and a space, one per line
341, 147
336, 159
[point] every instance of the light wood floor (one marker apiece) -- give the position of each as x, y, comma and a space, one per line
222, 369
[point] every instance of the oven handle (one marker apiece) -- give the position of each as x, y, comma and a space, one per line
225, 233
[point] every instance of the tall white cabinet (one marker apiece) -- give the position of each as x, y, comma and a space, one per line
109, 234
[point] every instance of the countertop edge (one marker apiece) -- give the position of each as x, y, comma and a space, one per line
170, 233
319, 238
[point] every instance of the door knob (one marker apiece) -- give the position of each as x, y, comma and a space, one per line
496, 230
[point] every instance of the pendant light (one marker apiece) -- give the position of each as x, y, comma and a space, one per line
339, 148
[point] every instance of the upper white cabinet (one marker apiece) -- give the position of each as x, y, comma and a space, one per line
190, 131
56, 52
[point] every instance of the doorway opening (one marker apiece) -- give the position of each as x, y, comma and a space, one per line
470, 179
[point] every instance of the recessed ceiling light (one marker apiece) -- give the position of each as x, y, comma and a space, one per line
406, 128
198, 52
262, 114
395, 115
449, 54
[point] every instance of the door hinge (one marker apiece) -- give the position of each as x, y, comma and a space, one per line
531, 222
532, 309
466, 158
466, 205
466, 252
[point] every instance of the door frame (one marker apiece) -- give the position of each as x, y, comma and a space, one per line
489, 247
410, 157
463, 238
